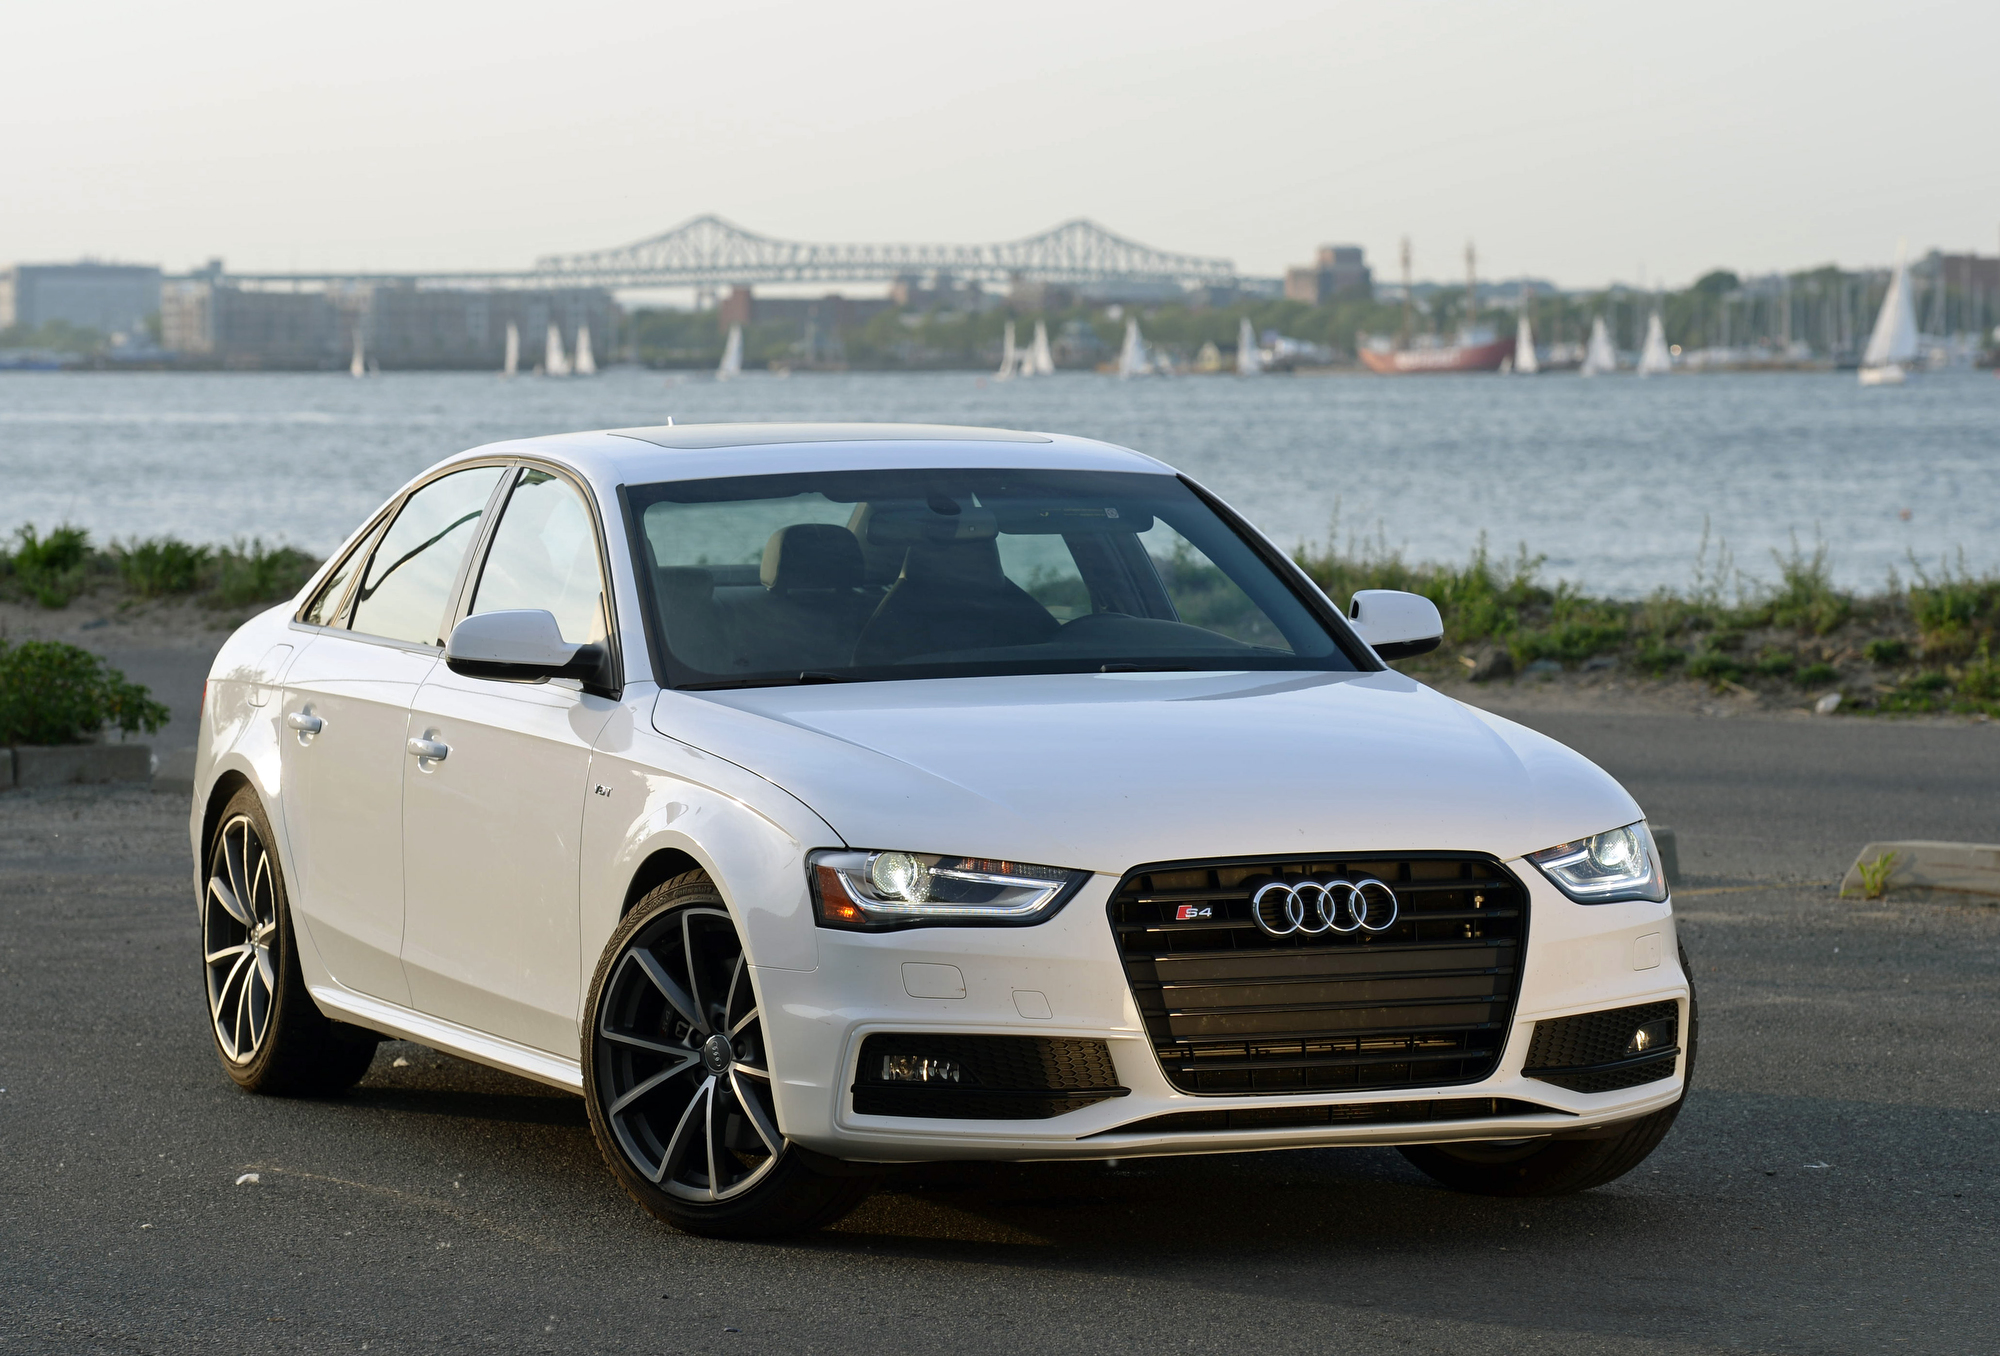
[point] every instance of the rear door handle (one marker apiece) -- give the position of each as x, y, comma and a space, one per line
430, 750
305, 723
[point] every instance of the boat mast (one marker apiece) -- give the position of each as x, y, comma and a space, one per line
1471, 295
1403, 337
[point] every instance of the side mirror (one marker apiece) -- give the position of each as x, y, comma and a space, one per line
519, 646
1398, 625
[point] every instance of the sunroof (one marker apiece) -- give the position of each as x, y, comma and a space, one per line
695, 437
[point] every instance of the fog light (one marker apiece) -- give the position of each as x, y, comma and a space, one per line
1652, 1036
918, 1069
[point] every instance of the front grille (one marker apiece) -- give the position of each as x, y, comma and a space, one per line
1587, 1052
1006, 1078
1348, 1113
1232, 1010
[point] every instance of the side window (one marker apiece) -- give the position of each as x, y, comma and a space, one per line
544, 556
324, 610
408, 583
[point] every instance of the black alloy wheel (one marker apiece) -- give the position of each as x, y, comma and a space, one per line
268, 1033
678, 1078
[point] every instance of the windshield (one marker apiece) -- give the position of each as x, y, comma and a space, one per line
837, 575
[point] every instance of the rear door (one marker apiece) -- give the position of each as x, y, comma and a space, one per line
490, 831
346, 717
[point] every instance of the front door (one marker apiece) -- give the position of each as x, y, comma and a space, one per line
491, 829
346, 729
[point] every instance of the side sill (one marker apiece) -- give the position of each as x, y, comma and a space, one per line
477, 1046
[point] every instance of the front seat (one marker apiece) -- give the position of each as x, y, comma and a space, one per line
952, 597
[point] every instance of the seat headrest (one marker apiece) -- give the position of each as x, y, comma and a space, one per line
811, 556
964, 564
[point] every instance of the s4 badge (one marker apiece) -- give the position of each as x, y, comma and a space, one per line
1190, 911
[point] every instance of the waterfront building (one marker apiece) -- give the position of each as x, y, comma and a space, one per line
206, 320
108, 298
1339, 270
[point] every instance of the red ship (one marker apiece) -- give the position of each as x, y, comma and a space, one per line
1440, 358
1476, 350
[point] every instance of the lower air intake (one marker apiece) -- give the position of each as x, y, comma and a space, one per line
1607, 1051
981, 1078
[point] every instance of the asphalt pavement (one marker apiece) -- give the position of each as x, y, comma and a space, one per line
1833, 1185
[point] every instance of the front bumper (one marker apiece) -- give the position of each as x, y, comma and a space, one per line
1579, 958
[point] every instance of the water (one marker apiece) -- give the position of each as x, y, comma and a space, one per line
1612, 479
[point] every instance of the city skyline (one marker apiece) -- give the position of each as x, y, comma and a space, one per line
1568, 142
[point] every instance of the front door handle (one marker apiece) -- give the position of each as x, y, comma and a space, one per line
430, 750
305, 722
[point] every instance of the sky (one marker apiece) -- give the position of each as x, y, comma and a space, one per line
1580, 142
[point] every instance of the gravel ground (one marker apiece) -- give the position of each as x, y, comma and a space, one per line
1833, 1186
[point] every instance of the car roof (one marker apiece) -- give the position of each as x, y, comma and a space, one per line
630, 456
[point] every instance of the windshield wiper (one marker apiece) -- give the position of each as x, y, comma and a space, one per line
803, 678
1147, 668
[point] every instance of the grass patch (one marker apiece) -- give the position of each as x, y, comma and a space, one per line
55, 570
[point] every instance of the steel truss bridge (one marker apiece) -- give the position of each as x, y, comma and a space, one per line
708, 252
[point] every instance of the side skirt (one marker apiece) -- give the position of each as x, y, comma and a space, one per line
404, 1024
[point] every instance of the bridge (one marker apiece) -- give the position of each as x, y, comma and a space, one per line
710, 252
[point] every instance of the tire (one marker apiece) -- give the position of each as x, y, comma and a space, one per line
269, 1035
676, 1076
1558, 1167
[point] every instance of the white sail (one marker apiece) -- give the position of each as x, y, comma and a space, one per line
732, 356
553, 361
357, 366
1249, 359
586, 361
1009, 358
1600, 357
513, 363
1894, 340
1044, 361
1132, 357
1525, 361
1653, 358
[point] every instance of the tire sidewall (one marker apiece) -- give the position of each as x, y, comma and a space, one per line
289, 982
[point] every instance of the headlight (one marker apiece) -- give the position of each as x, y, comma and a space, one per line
874, 890
1606, 867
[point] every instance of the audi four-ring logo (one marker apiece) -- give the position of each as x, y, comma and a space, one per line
1311, 907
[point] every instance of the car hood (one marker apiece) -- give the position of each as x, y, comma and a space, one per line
1107, 771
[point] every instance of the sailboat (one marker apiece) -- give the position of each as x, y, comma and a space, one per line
1600, 357
1009, 358
513, 363
357, 366
1041, 362
1132, 358
1249, 359
732, 356
1525, 362
1653, 358
1894, 339
586, 362
554, 364
1478, 349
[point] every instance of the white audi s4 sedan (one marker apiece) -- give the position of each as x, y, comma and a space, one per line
812, 798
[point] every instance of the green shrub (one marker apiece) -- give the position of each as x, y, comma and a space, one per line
52, 693
1657, 658
160, 566
1715, 666
1954, 611
1817, 675
1806, 599
1776, 664
51, 568
258, 574
1886, 650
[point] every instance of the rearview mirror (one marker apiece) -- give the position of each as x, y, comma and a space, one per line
519, 646
1398, 625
